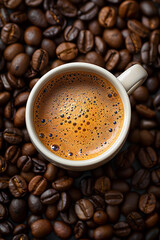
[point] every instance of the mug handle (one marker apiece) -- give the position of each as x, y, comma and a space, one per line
133, 77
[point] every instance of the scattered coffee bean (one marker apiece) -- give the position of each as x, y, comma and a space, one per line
84, 209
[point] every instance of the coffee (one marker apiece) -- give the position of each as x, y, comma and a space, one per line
78, 115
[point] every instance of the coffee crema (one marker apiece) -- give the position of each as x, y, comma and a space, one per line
78, 115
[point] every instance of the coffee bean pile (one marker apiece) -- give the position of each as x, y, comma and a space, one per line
118, 201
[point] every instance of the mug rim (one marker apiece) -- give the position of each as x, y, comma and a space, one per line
87, 67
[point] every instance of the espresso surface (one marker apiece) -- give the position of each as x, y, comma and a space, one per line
78, 115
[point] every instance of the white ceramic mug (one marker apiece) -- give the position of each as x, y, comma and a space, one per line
125, 84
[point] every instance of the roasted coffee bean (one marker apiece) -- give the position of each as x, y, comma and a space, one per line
66, 51
146, 54
4, 17
152, 220
51, 172
102, 185
5, 83
37, 18
3, 164
15, 82
120, 185
63, 203
128, 9
19, 118
19, 64
85, 41
37, 185
98, 202
113, 38
79, 24
52, 31
152, 84
6, 228
12, 135
130, 203
95, 27
146, 137
120, 23
133, 43
33, 3
113, 213
3, 212
155, 176
148, 124
135, 221
10, 33
20, 236
33, 36
18, 17
32, 218
138, 28
39, 59
125, 58
111, 59
21, 99
145, 111
147, 203
156, 102
38, 166
147, 157
54, 17
12, 170
12, 4
17, 186
80, 229
141, 94
9, 110
100, 217
51, 212
155, 190
94, 58
50, 196
49, 46
4, 197
20, 228
100, 45
24, 163
62, 230
141, 179
126, 173
84, 209
18, 210
35, 204
41, 228
69, 216
107, 17
125, 159
121, 229
4, 98
103, 232
151, 23
63, 183
28, 149
113, 197
87, 185
12, 50
71, 33
67, 8
148, 8
88, 11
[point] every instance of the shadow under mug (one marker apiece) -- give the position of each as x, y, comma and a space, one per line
125, 84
